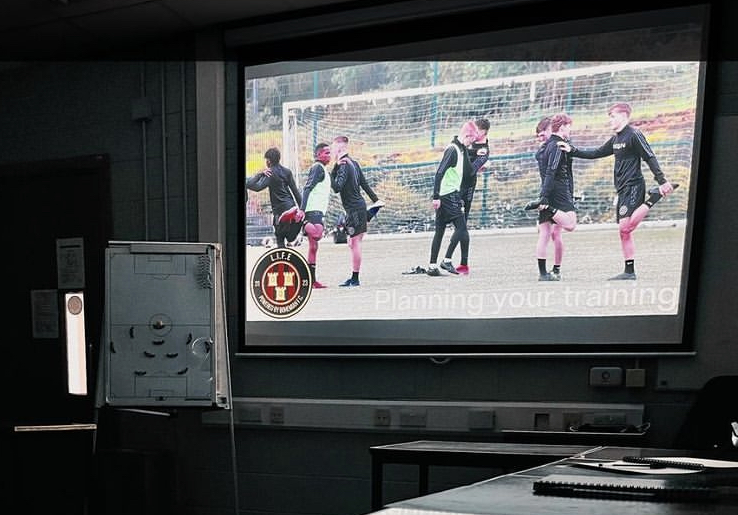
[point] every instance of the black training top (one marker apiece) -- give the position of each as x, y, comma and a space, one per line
557, 175
539, 159
348, 180
283, 192
478, 156
629, 146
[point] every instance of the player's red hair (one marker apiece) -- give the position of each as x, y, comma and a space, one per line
558, 120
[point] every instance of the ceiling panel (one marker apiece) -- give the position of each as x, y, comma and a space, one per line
143, 21
25, 13
220, 11
51, 28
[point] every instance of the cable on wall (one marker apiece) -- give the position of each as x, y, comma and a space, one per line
144, 157
164, 160
183, 134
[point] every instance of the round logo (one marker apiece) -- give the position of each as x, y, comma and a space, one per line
74, 304
281, 282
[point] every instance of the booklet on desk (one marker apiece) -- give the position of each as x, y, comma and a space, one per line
658, 465
625, 488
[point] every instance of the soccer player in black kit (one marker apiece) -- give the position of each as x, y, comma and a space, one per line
447, 201
478, 156
284, 196
348, 180
556, 201
315, 197
630, 147
548, 230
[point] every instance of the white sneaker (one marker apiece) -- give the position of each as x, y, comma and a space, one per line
373, 209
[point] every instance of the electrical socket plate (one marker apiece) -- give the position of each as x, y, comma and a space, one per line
413, 417
276, 414
635, 377
605, 376
382, 417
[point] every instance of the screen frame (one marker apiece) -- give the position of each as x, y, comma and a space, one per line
286, 49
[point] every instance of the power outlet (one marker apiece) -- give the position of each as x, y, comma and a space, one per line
413, 417
382, 417
609, 419
276, 414
541, 421
249, 414
481, 419
635, 377
605, 376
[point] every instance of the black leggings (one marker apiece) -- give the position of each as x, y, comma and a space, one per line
461, 234
467, 199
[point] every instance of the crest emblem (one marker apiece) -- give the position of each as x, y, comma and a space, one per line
281, 282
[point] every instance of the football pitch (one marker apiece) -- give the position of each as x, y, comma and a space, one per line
503, 279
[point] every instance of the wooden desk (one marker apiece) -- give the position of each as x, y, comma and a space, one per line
424, 453
513, 493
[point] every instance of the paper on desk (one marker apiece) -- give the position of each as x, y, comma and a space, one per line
624, 467
637, 468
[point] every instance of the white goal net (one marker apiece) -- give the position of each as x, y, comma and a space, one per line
399, 135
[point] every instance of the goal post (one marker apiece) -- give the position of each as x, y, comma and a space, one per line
398, 137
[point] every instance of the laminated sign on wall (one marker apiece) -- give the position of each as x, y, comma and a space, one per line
165, 336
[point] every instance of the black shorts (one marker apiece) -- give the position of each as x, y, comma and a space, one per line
314, 217
355, 222
629, 198
545, 216
288, 230
560, 198
451, 207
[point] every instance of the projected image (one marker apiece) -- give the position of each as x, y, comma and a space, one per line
398, 131
524, 194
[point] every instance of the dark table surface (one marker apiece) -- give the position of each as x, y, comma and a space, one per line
513, 494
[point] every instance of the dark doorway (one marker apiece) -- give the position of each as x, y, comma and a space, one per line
42, 202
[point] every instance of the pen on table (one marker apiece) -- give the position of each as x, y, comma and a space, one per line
629, 461
647, 465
